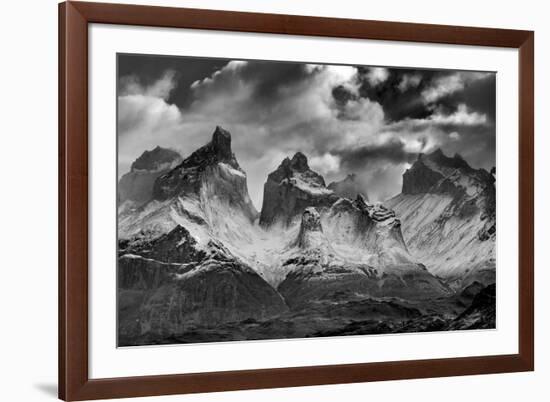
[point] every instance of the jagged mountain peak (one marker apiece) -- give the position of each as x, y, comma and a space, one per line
291, 166
296, 171
187, 175
458, 156
438, 173
156, 159
299, 162
211, 172
136, 186
437, 152
221, 143
217, 150
438, 160
419, 178
291, 188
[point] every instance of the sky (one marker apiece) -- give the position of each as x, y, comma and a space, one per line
371, 121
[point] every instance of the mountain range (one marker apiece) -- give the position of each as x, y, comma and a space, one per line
198, 263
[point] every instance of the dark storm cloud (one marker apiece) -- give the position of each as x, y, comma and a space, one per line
401, 93
399, 101
478, 95
342, 95
271, 77
147, 69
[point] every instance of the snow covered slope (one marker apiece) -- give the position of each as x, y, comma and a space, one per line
316, 271
448, 213
204, 193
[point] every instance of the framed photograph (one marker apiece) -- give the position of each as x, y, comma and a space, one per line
257, 200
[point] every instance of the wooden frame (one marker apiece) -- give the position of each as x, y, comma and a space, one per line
74, 383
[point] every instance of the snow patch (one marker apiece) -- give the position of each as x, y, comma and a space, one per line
231, 170
306, 187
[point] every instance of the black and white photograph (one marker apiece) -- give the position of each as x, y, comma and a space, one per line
274, 200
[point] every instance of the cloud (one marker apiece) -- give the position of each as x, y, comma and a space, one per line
325, 164
143, 109
143, 122
137, 113
304, 113
361, 109
463, 116
220, 77
378, 167
410, 93
409, 81
443, 86
394, 151
446, 85
146, 119
382, 181
479, 95
130, 85
454, 136
377, 75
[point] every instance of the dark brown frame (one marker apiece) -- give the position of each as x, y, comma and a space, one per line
74, 383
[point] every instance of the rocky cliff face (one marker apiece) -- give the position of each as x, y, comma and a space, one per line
292, 188
156, 160
136, 187
175, 247
311, 232
373, 229
420, 179
189, 176
448, 214
348, 188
